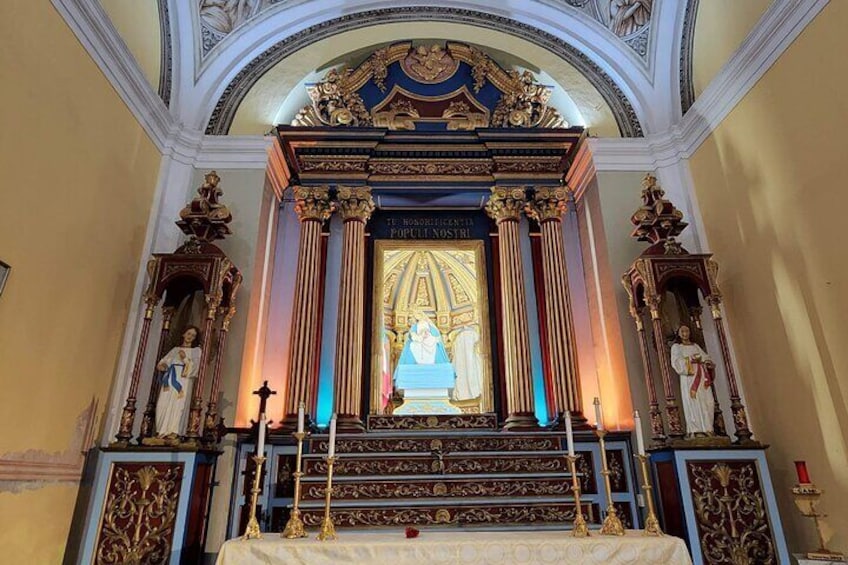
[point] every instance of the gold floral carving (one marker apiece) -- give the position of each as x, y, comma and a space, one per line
547, 203
335, 102
733, 526
507, 514
524, 104
401, 115
429, 64
413, 167
355, 203
138, 518
425, 465
423, 445
506, 203
530, 165
444, 422
453, 489
334, 164
312, 203
461, 117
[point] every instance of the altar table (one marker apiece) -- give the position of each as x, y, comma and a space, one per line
458, 547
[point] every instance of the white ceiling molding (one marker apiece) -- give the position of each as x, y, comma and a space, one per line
777, 29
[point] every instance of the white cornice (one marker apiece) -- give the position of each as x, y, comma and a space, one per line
777, 29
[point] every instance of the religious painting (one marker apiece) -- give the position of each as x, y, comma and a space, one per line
431, 351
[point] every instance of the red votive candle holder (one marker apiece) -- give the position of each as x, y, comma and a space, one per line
803, 475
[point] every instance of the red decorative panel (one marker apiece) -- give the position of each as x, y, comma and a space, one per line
618, 473
138, 519
730, 512
671, 511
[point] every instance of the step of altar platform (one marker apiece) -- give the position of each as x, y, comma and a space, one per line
426, 490
425, 442
451, 514
441, 422
454, 463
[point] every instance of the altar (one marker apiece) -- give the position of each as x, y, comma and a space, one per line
484, 548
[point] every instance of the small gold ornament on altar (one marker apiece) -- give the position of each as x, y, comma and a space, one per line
807, 497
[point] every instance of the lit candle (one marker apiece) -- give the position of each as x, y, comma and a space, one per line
300, 418
803, 476
599, 417
569, 434
260, 445
640, 439
332, 449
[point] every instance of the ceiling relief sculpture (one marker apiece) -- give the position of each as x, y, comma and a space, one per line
630, 20
455, 87
218, 18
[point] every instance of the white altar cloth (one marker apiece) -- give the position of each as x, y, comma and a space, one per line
391, 547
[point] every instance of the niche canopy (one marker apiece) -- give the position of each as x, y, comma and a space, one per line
429, 88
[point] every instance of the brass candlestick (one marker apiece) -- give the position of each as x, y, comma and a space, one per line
652, 525
252, 530
580, 528
294, 527
328, 529
612, 523
807, 498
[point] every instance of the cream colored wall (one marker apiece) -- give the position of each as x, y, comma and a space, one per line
137, 21
720, 28
77, 185
771, 186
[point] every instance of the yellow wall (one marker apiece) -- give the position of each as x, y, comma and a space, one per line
78, 175
720, 28
138, 23
771, 185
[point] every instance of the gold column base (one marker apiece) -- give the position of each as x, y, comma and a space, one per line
579, 529
294, 527
612, 525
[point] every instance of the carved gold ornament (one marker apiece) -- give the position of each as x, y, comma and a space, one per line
139, 515
429, 65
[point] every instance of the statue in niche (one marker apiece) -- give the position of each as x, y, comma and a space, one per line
424, 362
695, 369
177, 367
466, 361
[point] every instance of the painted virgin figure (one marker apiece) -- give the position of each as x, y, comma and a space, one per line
695, 369
177, 368
424, 362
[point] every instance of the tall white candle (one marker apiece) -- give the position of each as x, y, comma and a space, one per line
569, 434
260, 445
599, 417
332, 449
300, 418
640, 439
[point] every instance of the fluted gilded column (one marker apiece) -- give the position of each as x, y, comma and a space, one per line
547, 206
505, 206
313, 207
355, 206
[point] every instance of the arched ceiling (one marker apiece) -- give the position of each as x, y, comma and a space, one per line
227, 66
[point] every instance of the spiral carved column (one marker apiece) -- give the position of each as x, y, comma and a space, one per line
355, 207
547, 207
313, 207
505, 206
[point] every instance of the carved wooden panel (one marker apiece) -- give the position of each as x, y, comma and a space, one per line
433, 422
730, 512
618, 473
585, 466
138, 519
445, 444
432, 464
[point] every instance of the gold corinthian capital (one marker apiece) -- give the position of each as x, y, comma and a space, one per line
548, 203
312, 203
506, 203
355, 203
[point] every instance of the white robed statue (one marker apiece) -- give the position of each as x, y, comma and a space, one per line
178, 366
423, 362
467, 364
695, 369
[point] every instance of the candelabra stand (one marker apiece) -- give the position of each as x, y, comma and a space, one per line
328, 529
652, 525
612, 523
580, 529
294, 527
807, 499
252, 530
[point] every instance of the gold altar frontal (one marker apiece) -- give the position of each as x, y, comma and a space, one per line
465, 547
